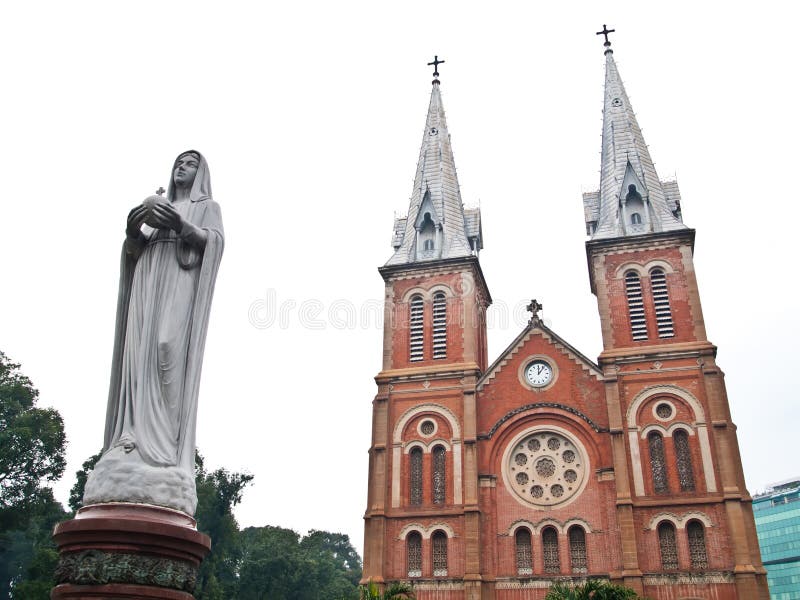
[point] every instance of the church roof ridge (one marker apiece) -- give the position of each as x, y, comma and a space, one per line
536, 326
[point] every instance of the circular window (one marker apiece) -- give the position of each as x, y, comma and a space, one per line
427, 427
545, 467
664, 410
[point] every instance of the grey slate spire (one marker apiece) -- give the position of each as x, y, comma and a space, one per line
437, 226
632, 200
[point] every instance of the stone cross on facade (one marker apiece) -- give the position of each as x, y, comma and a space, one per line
605, 33
534, 307
436, 62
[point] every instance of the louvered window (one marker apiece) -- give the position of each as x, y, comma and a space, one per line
658, 284
633, 290
524, 553
667, 546
416, 329
657, 465
439, 326
439, 549
697, 545
577, 549
439, 456
414, 554
415, 482
683, 457
552, 564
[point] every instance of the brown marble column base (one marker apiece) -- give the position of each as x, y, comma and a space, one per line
121, 550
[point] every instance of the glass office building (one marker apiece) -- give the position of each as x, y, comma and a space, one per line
777, 513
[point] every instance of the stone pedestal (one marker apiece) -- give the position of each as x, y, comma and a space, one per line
133, 551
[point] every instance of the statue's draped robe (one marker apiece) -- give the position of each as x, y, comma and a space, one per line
162, 317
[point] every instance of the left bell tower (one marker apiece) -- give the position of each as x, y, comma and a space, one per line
422, 520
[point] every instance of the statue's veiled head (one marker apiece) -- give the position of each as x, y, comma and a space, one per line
190, 171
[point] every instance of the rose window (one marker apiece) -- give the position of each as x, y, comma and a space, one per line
427, 427
545, 468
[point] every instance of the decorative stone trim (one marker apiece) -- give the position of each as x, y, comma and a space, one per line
426, 532
688, 578
94, 567
541, 583
680, 521
527, 407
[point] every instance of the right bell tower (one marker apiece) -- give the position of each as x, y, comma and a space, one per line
679, 480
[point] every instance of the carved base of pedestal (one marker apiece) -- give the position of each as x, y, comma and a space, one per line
122, 550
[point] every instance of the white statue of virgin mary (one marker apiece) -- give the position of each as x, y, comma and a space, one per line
169, 265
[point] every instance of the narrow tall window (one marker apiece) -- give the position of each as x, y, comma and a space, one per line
415, 481
697, 545
439, 549
636, 219
667, 545
658, 285
524, 553
577, 549
416, 330
439, 326
657, 464
633, 289
552, 564
683, 456
414, 554
439, 485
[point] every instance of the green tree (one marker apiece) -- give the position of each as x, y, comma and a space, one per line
32, 445
32, 439
393, 591
591, 590
278, 565
76, 492
217, 493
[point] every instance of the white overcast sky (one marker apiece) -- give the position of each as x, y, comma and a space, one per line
310, 115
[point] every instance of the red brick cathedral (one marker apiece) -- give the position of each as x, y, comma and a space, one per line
489, 481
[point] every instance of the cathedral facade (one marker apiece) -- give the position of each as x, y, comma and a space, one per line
490, 480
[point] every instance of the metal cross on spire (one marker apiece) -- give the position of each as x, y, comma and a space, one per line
436, 62
534, 307
605, 33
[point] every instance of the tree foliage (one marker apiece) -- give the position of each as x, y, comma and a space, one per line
393, 591
32, 445
277, 564
217, 493
591, 590
32, 439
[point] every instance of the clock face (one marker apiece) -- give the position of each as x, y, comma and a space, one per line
539, 373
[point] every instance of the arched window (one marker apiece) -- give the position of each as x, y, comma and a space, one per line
636, 219
438, 487
439, 549
683, 456
552, 564
577, 549
439, 326
697, 545
667, 545
524, 552
414, 554
416, 329
657, 465
633, 290
428, 245
415, 476
658, 285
